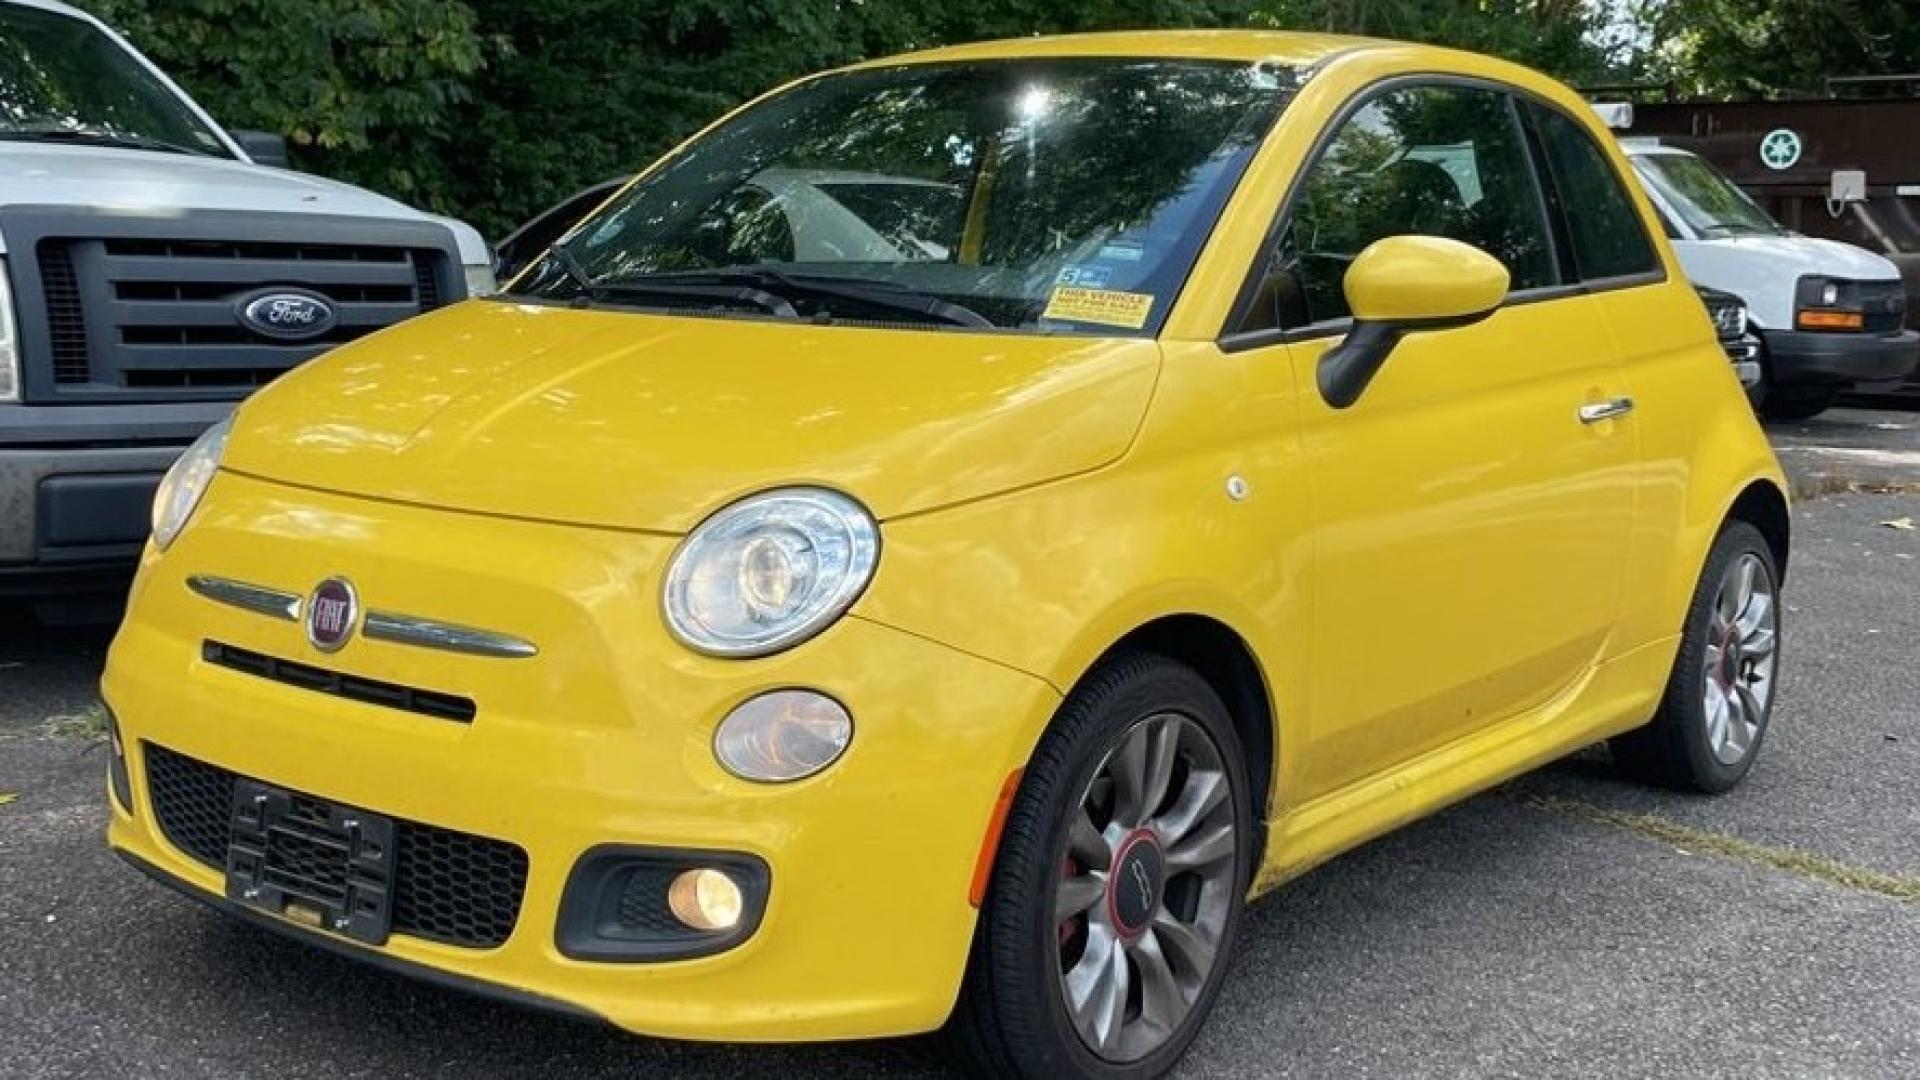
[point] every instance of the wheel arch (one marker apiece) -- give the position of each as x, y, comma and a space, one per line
1220, 655
1763, 505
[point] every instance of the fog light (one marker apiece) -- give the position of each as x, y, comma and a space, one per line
784, 735
705, 899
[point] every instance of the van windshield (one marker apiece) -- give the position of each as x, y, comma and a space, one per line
62, 80
1705, 200
1057, 195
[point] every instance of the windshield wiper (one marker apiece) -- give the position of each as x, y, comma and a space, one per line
592, 288
101, 138
881, 294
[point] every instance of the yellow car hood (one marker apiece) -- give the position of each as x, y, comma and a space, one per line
652, 422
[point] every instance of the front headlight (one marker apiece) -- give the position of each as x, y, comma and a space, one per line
770, 571
9, 344
481, 281
186, 482
1822, 303
1729, 320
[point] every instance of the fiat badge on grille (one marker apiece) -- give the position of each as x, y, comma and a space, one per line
333, 609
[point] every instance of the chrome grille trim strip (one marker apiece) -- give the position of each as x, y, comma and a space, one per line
376, 625
261, 601
447, 637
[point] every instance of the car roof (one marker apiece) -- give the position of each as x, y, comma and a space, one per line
1273, 46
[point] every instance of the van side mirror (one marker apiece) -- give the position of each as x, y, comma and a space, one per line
264, 147
1405, 285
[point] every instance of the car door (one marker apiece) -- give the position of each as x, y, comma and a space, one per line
1472, 509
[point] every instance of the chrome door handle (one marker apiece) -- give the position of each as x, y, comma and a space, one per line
1605, 410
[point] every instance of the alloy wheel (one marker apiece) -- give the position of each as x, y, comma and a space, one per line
1743, 634
1147, 885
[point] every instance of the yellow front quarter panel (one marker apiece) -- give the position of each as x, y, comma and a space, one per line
604, 737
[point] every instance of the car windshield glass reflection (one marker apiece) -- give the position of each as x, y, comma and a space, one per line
1064, 195
1703, 198
62, 80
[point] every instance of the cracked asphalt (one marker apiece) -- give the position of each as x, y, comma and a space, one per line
1541, 930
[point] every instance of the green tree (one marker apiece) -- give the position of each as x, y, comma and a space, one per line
364, 90
1566, 38
594, 88
494, 109
1765, 47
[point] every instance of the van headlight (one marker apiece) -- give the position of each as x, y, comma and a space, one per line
770, 571
184, 484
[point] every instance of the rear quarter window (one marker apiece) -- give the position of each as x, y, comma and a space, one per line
1608, 237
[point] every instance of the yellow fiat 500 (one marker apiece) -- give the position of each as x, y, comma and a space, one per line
931, 548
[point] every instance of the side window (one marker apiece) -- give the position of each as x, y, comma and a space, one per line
1607, 235
1438, 160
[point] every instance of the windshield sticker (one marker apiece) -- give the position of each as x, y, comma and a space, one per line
1123, 251
1086, 277
1102, 306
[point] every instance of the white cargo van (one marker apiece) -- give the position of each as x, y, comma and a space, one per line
153, 271
1828, 315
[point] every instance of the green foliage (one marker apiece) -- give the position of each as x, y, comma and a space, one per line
365, 90
1564, 37
494, 109
1745, 47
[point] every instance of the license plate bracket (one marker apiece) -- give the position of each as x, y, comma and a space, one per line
312, 862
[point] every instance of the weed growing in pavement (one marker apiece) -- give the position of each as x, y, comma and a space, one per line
1691, 839
87, 725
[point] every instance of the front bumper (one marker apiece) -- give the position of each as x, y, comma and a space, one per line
602, 738
1744, 353
1802, 357
76, 483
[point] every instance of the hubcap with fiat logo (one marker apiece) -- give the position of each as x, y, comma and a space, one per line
1148, 879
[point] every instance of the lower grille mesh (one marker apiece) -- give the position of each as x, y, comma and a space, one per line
451, 887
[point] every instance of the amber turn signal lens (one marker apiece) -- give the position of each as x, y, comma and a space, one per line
1831, 320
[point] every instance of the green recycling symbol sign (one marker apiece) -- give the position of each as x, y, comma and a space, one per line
1780, 149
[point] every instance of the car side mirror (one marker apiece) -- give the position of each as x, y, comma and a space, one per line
1404, 285
264, 147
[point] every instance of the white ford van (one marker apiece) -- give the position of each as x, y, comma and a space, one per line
153, 271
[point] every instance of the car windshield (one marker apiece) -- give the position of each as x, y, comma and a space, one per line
62, 80
1705, 200
1065, 195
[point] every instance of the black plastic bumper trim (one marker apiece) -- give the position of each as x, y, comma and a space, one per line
46, 580
587, 928
1807, 356
342, 947
413, 699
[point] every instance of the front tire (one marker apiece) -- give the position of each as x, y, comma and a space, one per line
1799, 402
1720, 695
1117, 891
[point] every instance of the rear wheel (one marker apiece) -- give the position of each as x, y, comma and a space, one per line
1720, 696
1117, 891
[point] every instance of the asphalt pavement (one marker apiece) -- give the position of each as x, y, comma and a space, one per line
1568, 924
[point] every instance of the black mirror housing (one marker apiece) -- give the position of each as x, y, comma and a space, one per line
264, 147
